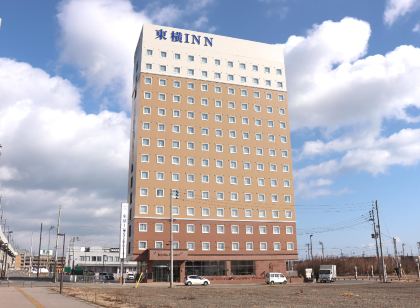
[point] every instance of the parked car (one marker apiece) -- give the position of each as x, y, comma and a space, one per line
272, 278
106, 276
42, 270
196, 280
130, 277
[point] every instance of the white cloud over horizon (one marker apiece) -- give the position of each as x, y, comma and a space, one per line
56, 153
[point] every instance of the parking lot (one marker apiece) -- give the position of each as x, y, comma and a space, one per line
339, 294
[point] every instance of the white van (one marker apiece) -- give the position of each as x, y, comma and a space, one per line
272, 278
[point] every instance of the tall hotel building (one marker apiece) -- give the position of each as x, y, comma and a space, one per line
210, 121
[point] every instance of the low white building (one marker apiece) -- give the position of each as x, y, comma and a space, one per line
98, 259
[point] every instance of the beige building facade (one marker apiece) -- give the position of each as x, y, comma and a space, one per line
210, 122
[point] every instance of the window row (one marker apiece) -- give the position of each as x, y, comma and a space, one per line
219, 163
220, 229
217, 62
205, 178
232, 196
219, 246
176, 113
233, 149
177, 70
220, 212
205, 88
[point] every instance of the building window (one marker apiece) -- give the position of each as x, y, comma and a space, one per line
263, 229
190, 211
220, 212
205, 229
177, 84
249, 229
143, 227
159, 210
158, 227
205, 211
276, 230
143, 192
142, 245
263, 245
276, 246
262, 213
275, 213
190, 245
289, 230
249, 246
248, 213
234, 212
220, 246
220, 229
205, 246
234, 229
190, 228
149, 52
288, 214
144, 209
235, 246
290, 246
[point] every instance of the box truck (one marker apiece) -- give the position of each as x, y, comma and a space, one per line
327, 273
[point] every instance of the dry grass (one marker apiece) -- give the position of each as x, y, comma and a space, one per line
308, 295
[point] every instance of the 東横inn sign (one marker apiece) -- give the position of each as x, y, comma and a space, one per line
182, 37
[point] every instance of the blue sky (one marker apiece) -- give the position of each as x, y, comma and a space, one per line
353, 72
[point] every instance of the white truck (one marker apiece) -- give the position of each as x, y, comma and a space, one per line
309, 275
327, 273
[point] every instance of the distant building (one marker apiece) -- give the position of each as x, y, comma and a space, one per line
98, 259
210, 126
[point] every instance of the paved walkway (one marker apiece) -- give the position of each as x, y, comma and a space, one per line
39, 297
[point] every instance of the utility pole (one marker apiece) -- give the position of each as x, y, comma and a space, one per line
418, 248
384, 278
171, 195
322, 249
310, 241
56, 244
307, 251
375, 236
394, 239
31, 256
39, 252
403, 251
48, 248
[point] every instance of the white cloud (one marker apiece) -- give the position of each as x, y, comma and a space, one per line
99, 38
334, 88
416, 28
55, 153
398, 8
331, 84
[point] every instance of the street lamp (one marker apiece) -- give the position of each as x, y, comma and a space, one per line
322, 249
62, 268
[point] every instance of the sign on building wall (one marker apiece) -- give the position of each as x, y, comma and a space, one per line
123, 230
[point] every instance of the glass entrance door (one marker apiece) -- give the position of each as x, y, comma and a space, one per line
161, 273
